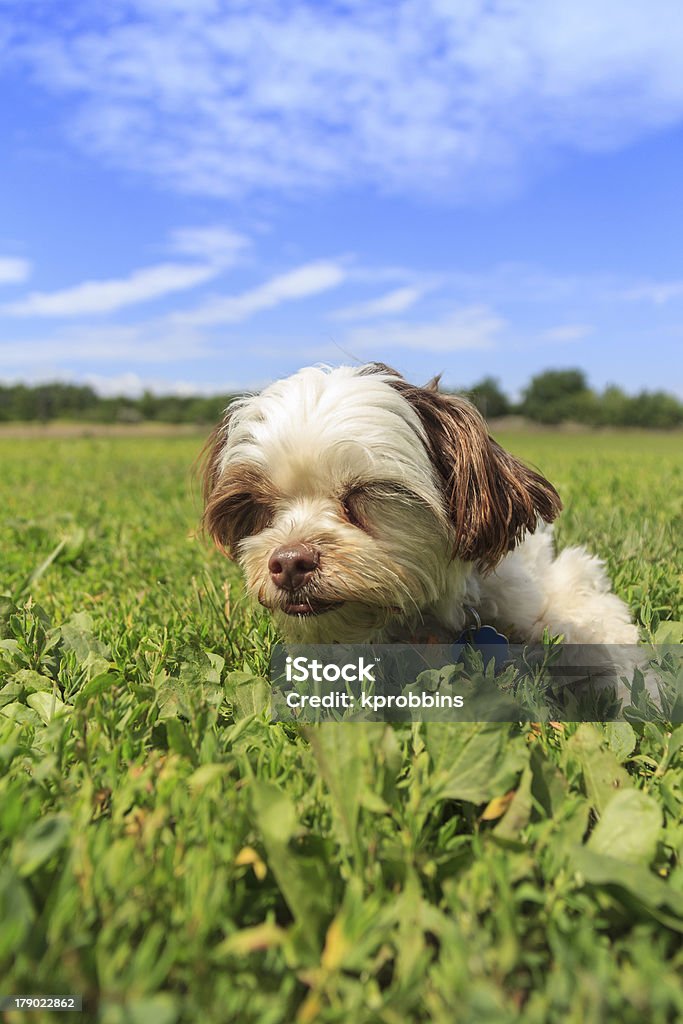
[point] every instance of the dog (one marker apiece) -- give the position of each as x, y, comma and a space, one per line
364, 509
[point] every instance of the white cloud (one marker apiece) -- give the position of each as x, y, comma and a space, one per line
13, 270
303, 282
151, 342
514, 282
174, 336
213, 243
127, 383
567, 332
130, 384
222, 98
397, 301
474, 327
658, 292
133, 385
96, 297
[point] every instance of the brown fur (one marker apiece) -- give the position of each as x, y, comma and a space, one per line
240, 504
492, 497
236, 505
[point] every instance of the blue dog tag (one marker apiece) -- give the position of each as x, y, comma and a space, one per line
484, 637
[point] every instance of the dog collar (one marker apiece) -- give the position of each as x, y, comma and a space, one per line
474, 635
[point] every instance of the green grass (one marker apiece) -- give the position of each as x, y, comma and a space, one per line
173, 857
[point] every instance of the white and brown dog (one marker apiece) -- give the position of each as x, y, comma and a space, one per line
361, 507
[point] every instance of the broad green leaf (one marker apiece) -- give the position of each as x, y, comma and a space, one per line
669, 632
637, 886
20, 713
602, 775
304, 880
48, 705
275, 812
217, 663
95, 686
10, 693
628, 828
195, 685
474, 761
95, 665
549, 787
248, 694
17, 914
40, 841
178, 739
342, 751
10, 645
621, 739
78, 636
32, 681
201, 667
205, 775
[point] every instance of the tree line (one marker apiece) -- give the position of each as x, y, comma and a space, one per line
562, 396
555, 396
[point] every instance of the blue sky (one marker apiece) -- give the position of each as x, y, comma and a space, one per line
203, 195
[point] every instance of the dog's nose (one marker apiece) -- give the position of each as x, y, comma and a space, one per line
292, 565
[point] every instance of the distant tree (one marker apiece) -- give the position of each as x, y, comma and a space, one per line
128, 411
557, 395
148, 405
613, 407
489, 399
7, 403
22, 403
655, 409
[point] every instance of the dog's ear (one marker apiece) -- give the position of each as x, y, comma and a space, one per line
209, 465
238, 500
491, 497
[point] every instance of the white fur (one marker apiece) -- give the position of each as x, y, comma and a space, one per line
315, 435
534, 589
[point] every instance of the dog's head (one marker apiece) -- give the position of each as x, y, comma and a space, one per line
347, 495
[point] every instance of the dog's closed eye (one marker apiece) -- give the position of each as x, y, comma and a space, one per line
249, 515
237, 516
361, 500
240, 506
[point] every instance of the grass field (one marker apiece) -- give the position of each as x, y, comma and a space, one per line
170, 855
